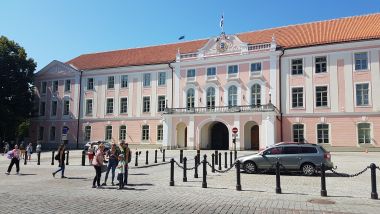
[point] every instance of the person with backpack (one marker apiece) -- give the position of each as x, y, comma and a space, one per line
60, 157
97, 162
29, 150
14, 155
112, 155
127, 157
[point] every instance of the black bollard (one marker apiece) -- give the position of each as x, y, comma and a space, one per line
235, 154
198, 156
67, 157
137, 159
213, 163
171, 183
196, 166
373, 181
323, 181
181, 156
220, 161
225, 159
204, 182
39, 158
216, 157
278, 185
83, 158
146, 157
230, 158
52, 157
238, 183
155, 156
184, 169
25, 158
163, 155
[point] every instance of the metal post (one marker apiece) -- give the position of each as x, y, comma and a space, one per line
155, 156
225, 159
83, 158
199, 156
163, 155
234, 142
52, 157
230, 158
171, 183
278, 185
204, 182
137, 159
373, 181
196, 167
181, 156
184, 169
67, 157
38, 158
220, 161
25, 157
146, 157
235, 154
216, 157
213, 163
238, 183
323, 181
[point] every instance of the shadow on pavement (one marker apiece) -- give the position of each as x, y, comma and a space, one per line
25, 174
138, 174
143, 184
78, 178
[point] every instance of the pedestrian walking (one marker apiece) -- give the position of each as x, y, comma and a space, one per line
112, 155
6, 148
127, 158
97, 162
22, 149
91, 154
38, 148
120, 171
29, 150
14, 155
60, 157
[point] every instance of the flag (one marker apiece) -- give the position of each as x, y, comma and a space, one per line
181, 37
221, 22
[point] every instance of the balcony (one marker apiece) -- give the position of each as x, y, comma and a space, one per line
223, 109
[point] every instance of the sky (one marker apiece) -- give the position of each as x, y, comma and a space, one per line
62, 30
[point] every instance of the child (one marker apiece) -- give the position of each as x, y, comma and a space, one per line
120, 171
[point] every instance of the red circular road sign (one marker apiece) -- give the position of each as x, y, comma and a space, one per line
234, 130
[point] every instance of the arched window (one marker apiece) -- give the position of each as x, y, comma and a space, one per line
210, 99
190, 98
256, 95
232, 96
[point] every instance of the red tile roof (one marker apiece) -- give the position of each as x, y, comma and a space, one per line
315, 33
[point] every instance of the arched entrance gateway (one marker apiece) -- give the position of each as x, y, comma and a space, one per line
251, 135
214, 135
181, 135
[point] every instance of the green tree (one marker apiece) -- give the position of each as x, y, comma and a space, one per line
16, 87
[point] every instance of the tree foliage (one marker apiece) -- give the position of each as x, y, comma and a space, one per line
16, 87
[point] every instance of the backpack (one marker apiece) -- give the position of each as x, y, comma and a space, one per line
56, 156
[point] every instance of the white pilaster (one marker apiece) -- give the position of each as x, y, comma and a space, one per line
334, 84
375, 74
273, 77
269, 129
176, 79
309, 86
167, 129
191, 133
348, 86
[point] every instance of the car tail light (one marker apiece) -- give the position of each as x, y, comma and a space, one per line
327, 156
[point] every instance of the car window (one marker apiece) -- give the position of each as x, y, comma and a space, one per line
273, 151
308, 150
290, 150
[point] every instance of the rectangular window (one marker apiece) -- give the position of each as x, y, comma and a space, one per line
161, 103
41, 133
55, 86
89, 107
54, 106
108, 135
160, 132
87, 133
323, 133
145, 132
52, 133
233, 69
146, 104
321, 96
42, 108
361, 61
109, 108
66, 107
211, 72
191, 73
90, 84
161, 78
123, 132
298, 130
67, 85
146, 81
44, 87
364, 133
123, 105
297, 67
111, 82
297, 97
362, 92
124, 81
320, 64
256, 68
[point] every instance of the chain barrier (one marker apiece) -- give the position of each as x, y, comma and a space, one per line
222, 171
192, 168
349, 175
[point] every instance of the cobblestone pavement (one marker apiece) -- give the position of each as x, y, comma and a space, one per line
36, 191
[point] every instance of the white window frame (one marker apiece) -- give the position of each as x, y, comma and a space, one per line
92, 107
143, 105
121, 81
113, 105
357, 133
146, 84
51, 108
354, 61
233, 75
211, 77
55, 134
67, 87
369, 95
120, 133
255, 73
315, 97
158, 132
304, 131
63, 108
291, 66
126, 112
329, 132
142, 133
85, 133
53, 86
158, 103
291, 97
191, 79
93, 83
159, 83
105, 132
108, 83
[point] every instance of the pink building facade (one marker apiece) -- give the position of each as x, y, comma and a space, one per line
274, 85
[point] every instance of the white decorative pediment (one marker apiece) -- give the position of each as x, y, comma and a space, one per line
57, 68
224, 44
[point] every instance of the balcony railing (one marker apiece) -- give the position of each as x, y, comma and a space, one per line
222, 109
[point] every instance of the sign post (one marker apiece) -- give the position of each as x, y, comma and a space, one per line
234, 131
65, 130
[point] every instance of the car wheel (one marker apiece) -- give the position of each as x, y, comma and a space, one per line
308, 169
250, 167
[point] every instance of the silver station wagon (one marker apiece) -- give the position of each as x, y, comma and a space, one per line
303, 157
